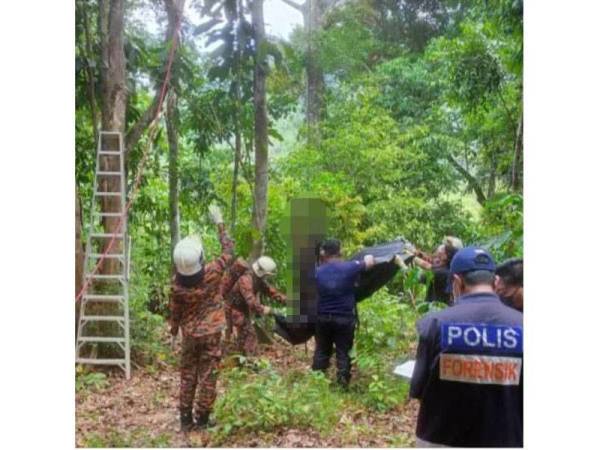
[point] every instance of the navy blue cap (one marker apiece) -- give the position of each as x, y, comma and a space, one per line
469, 259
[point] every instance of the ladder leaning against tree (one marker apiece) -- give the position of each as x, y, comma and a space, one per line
104, 309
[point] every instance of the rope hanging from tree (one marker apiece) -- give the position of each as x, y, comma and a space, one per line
152, 129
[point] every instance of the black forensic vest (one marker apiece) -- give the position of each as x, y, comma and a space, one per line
469, 374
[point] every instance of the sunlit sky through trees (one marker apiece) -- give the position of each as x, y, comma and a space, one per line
280, 19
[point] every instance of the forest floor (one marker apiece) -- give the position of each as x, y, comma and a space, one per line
142, 412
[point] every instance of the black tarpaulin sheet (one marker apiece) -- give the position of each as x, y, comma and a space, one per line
385, 268
293, 332
369, 282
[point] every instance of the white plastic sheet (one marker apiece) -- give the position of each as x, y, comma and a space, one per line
406, 369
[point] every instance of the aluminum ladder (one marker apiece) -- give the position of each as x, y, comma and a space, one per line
104, 309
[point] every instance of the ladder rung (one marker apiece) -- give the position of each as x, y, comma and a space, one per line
99, 361
109, 152
103, 298
108, 214
101, 339
108, 255
104, 276
109, 174
107, 235
103, 318
108, 194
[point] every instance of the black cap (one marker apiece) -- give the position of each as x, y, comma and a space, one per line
330, 247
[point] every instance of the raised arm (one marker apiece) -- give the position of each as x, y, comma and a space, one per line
226, 242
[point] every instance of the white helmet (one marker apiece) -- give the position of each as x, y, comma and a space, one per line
453, 242
264, 266
188, 256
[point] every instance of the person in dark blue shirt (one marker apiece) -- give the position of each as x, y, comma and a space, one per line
469, 369
336, 308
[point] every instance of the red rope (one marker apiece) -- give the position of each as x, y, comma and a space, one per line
142, 162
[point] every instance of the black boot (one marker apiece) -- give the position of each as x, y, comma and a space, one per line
343, 381
187, 423
202, 421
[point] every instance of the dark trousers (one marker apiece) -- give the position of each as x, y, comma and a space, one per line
338, 330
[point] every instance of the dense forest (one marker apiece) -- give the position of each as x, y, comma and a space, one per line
404, 116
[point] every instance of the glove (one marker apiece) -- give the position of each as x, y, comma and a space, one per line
369, 261
215, 214
267, 311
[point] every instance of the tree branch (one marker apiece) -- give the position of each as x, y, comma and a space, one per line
296, 6
174, 10
470, 179
517, 156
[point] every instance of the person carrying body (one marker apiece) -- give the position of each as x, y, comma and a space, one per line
197, 308
243, 300
439, 264
336, 308
468, 374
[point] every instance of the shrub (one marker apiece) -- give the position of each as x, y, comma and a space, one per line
91, 380
266, 400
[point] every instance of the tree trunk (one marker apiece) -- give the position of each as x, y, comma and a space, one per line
315, 84
238, 106
171, 119
312, 16
236, 170
261, 144
517, 157
491, 190
114, 102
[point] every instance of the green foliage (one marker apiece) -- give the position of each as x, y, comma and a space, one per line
347, 45
149, 291
413, 90
266, 400
384, 392
385, 328
502, 219
474, 73
139, 437
90, 380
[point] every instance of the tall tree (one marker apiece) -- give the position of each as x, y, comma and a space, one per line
237, 68
114, 103
174, 10
114, 94
89, 69
312, 15
172, 137
261, 142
